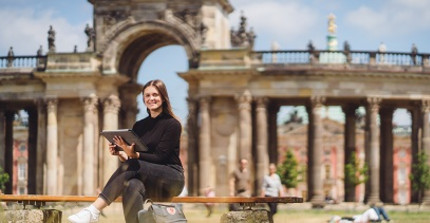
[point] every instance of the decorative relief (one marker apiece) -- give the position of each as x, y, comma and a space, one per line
110, 18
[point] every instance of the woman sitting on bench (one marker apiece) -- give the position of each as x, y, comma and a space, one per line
156, 174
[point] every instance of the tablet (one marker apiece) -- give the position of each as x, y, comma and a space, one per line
129, 137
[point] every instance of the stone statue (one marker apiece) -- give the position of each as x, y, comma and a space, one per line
331, 24
40, 51
51, 39
91, 37
10, 57
242, 37
414, 52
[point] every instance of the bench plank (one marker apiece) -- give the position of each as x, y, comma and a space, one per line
237, 200
75, 198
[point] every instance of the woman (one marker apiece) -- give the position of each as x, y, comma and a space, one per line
272, 187
156, 174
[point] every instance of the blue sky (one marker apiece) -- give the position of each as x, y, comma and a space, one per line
291, 23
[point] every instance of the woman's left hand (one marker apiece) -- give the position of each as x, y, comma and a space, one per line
128, 149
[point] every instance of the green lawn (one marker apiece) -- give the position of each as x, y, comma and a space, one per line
197, 214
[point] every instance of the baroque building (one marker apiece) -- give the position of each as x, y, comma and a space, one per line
234, 94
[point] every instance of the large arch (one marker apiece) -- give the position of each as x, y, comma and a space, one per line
132, 44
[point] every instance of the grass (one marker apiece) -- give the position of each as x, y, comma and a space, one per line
196, 213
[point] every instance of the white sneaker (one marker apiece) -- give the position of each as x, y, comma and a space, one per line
84, 216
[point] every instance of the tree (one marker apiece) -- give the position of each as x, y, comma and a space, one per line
4, 178
420, 175
288, 171
355, 174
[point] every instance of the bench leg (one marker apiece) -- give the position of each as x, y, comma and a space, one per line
247, 216
33, 215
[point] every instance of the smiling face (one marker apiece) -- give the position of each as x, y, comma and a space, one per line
153, 100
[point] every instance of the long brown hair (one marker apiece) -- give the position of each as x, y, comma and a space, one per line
161, 87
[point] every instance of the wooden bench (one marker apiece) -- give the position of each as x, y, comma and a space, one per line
246, 202
39, 200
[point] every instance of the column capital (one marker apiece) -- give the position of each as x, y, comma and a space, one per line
51, 104
349, 108
262, 101
317, 100
425, 105
111, 104
245, 97
90, 102
373, 103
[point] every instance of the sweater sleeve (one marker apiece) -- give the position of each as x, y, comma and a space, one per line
169, 142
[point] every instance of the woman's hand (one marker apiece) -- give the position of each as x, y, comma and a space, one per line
127, 149
114, 150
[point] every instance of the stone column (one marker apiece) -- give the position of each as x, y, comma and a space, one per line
52, 147
245, 132
88, 155
41, 145
32, 150
315, 162
204, 143
349, 147
9, 150
245, 127
273, 134
415, 145
387, 181
374, 151
111, 107
262, 155
128, 95
192, 153
2, 138
425, 141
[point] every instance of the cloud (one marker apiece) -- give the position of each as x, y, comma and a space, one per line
398, 17
281, 21
26, 29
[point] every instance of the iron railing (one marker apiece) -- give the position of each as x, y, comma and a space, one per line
345, 57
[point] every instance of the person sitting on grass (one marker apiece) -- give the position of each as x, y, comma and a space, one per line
373, 214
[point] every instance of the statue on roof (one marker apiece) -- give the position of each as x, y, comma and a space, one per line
51, 39
331, 24
91, 35
242, 37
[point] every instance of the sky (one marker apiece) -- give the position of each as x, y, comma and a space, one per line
290, 23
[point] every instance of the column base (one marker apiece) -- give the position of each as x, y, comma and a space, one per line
247, 216
317, 201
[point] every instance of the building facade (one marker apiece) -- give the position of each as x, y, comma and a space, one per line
234, 96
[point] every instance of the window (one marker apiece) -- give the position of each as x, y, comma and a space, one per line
22, 147
21, 171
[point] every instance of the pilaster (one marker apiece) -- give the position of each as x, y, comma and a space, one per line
192, 152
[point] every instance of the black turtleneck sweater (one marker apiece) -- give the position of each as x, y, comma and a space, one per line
161, 135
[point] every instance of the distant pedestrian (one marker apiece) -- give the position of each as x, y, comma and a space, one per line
240, 182
209, 192
272, 187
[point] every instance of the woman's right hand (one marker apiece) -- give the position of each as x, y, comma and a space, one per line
115, 152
